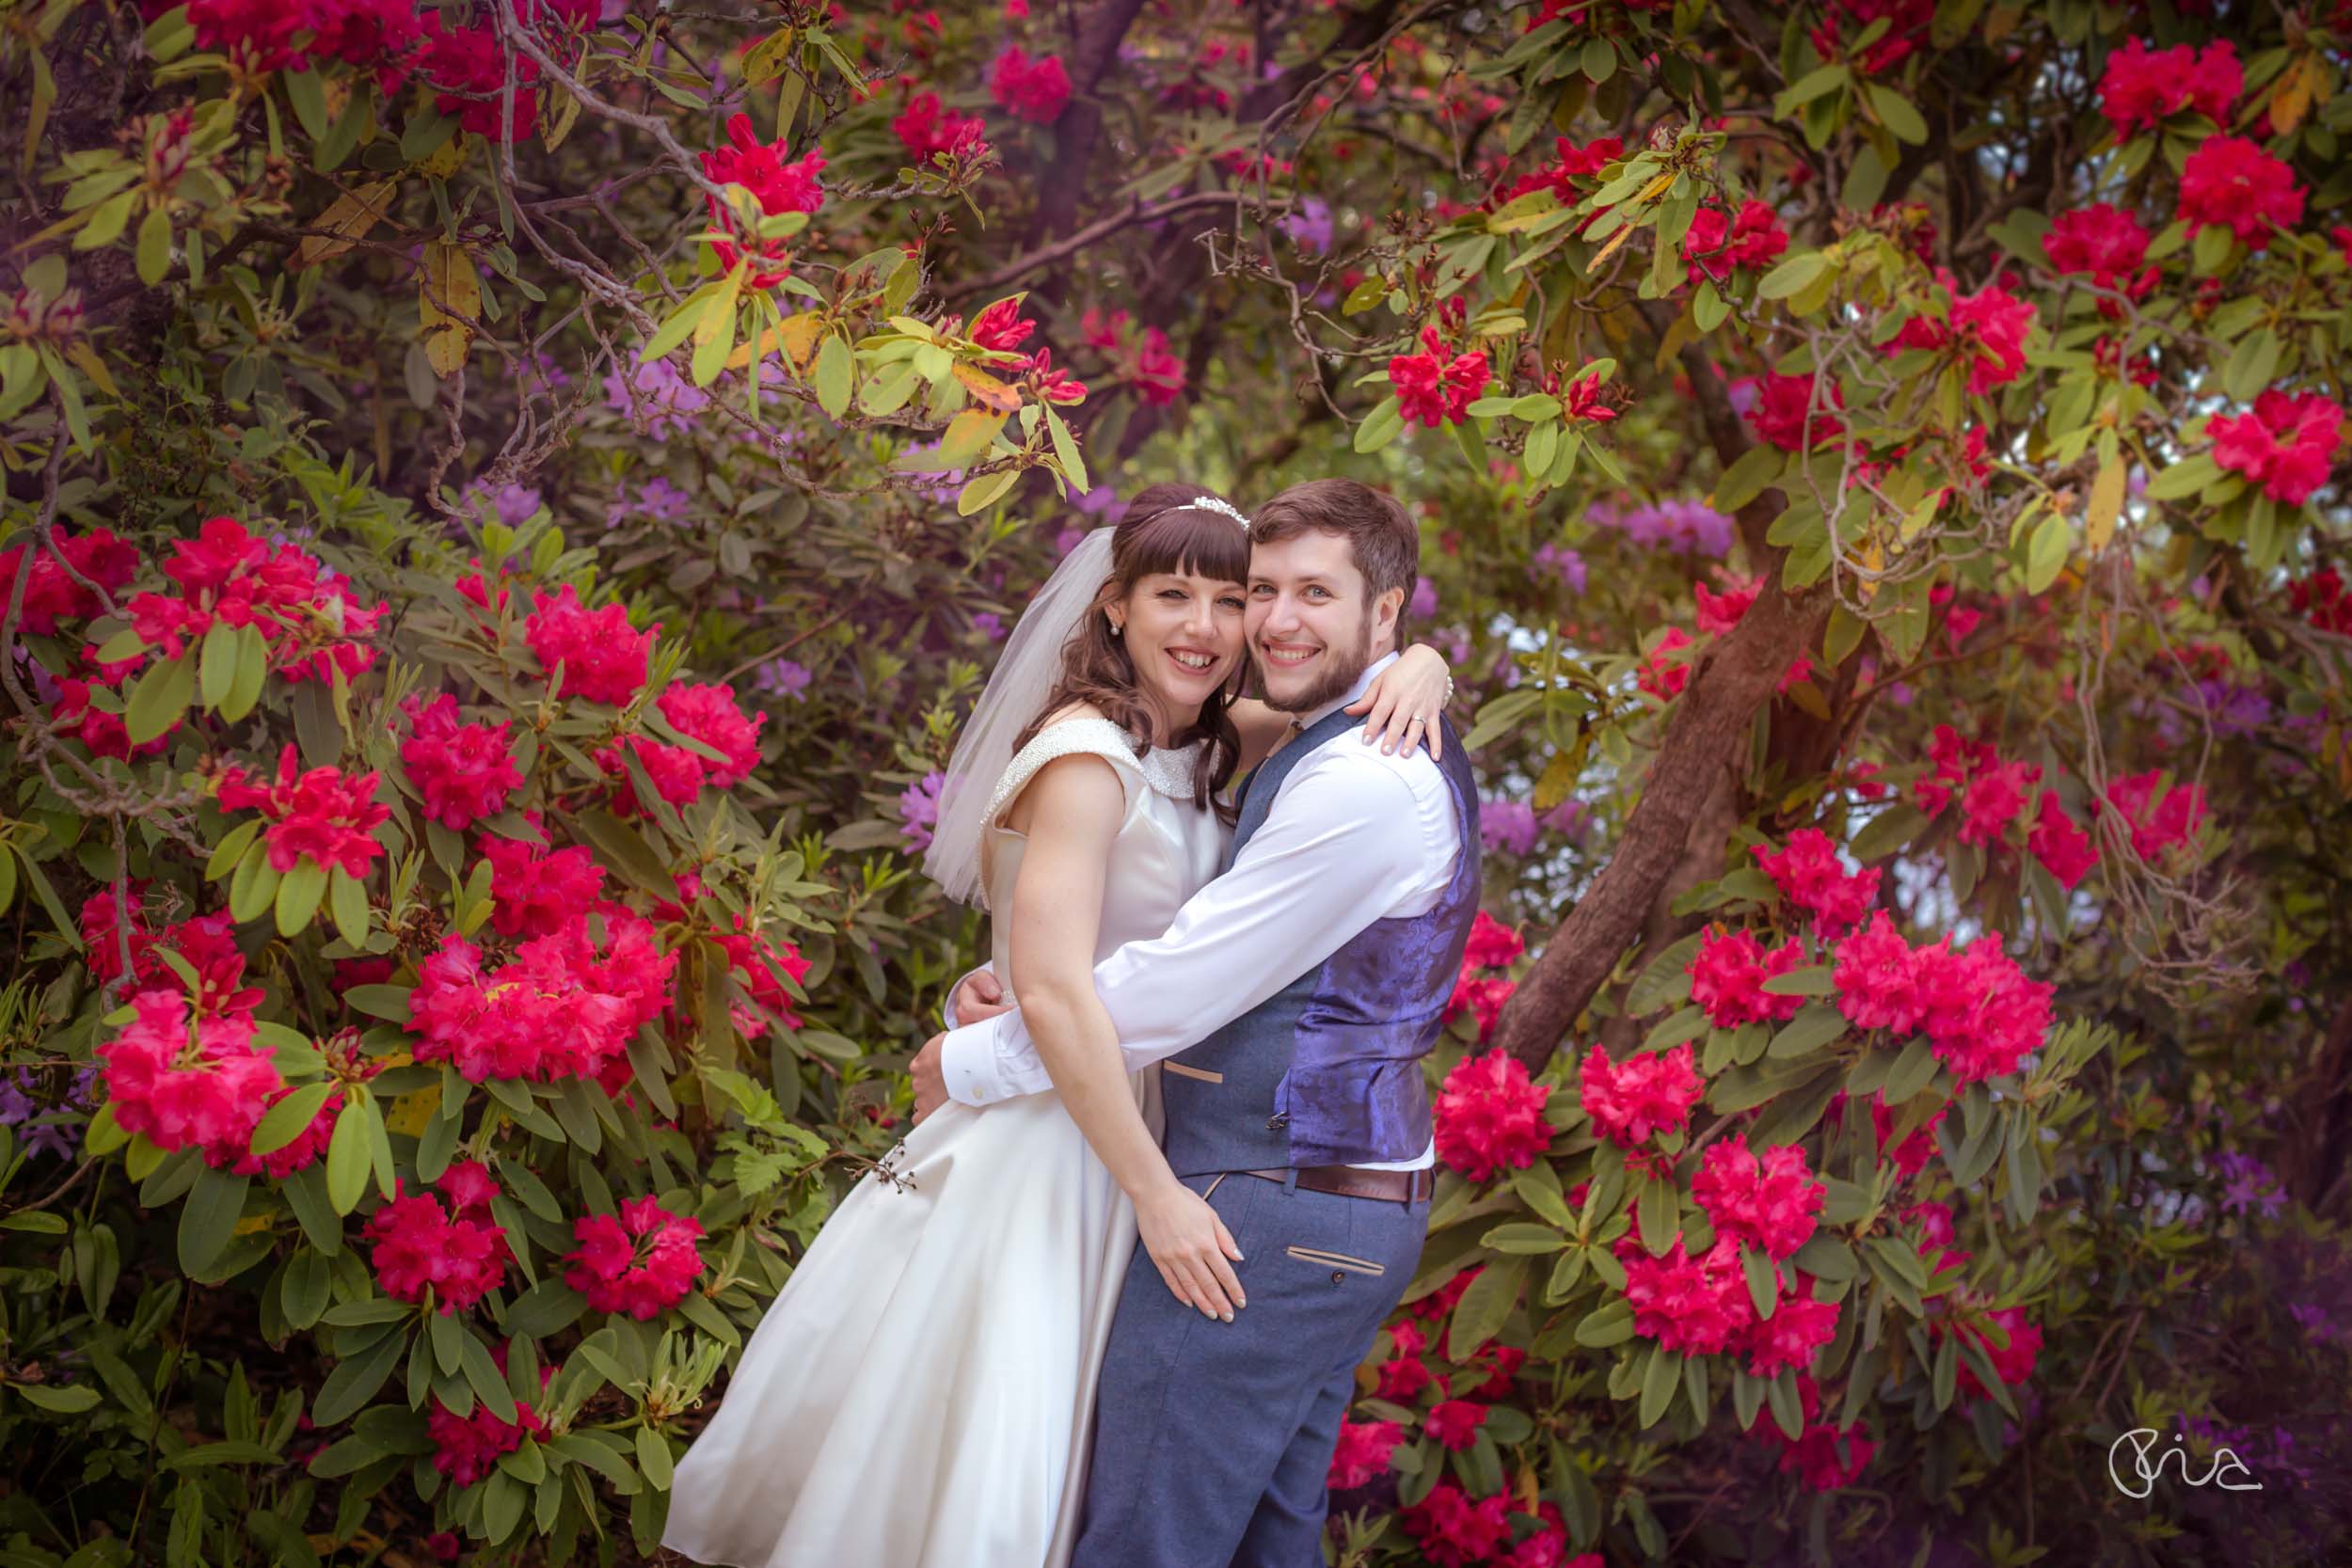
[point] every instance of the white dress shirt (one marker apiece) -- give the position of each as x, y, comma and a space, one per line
1354, 835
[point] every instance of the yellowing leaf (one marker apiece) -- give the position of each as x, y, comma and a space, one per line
410, 1112
2106, 504
449, 297
795, 336
2291, 95
987, 389
346, 221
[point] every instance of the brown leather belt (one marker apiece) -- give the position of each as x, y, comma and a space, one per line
1396, 1186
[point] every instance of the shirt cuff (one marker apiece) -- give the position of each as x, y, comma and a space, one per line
967, 1061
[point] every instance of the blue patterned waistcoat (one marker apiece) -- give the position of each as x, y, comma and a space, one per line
1327, 1070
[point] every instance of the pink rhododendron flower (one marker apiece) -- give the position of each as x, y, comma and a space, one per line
1697, 1306
1454, 1532
1432, 389
322, 816
642, 1263
1986, 331
1715, 244
465, 1448
1661, 674
1489, 1116
419, 1245
1768, 1202
1363, 1452
464, 771
52, 593
1798, 1330
1031, 90
1454, 1424
1982, 1014
180, 1086
2012, 1363
776, 185
2063, 848
1783, 415
534, 890
557, 1009
1810, 875
1814, 1453
312, 625
2161, 818
206, 942
2230, 183
2287, 445
1492, 944
1727, 975
604, 660
1647, 1093
235, 1155
926, 127
2107, 244
1876, 979
2143, 87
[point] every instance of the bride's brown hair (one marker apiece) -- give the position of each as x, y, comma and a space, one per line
1161, 532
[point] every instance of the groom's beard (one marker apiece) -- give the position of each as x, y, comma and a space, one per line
1340, 673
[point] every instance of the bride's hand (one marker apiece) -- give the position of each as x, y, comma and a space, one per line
1190, 1246
1406, 698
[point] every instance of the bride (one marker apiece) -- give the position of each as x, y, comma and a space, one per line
920, 1392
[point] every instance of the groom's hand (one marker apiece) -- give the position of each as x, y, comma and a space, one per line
930, 1082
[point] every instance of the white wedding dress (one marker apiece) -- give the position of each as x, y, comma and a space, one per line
921, 1392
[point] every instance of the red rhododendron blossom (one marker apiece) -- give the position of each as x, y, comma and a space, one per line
1448, 1296
1907, 25
1363, 1452
1403, 1376
1000, 327
1032, 90
1719, 612
776, 185
2064, 849
2161, 818
1783, 415
604, 660
182, 1085
1483, 996
675, 772
1158, 374
554, 1011
1647, 1093
535, 890
53, 592
1490, 1117
420, 1245
1697, 1306
761, 966
1986, 331
1505, 1360
1659, 673
469, 69
925, 128
1992, 798
1453, 1423
1768, 1202
322, 816
1715, 243
1433, 389
464, 771
642, 1263
2144, 86
1048, 385
2321, 599
1982, 1014
2231, 184
309, 621
1810, 875
1910, 1156
2107, 244
1814, 1453
1727, 975
1796, 1332
2012, 1363
206, 942
1454, 1532
465, 1448
1492, 944
382, 34
1569, 164
469, 1187
1582, 402
2287, 445
105, 734
1876, 979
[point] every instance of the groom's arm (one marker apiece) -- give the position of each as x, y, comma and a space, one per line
1342, 845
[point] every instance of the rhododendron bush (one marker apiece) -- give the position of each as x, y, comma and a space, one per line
507, 504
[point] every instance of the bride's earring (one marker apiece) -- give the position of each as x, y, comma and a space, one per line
1118, 629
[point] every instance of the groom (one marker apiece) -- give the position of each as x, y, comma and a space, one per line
1290, 1002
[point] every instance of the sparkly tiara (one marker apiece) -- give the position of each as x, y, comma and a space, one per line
1211, 504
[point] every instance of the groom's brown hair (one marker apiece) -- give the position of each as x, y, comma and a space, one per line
1380, 534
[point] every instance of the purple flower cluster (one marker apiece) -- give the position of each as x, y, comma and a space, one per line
2248, 1183
1558, 561
781, 677
1691, 526
918, 810
1310, 227
662, 401
1508, 825
21, 1108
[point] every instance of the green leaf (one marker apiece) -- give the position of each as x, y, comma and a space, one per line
1664, 980
154, 253
298, 894
2252, 365
1520, 1237
1913, 1070
1816, 84
2046, 551
159, 699
1484, 1306
833, 376
284, 1121
1661, 1378
1814, 1028
209, 1217
1899, 115
348, 901
229, 851
968, 436
985, 491
68, 1399
1612, 1325
1890, 830
1065, 452
1746, 479
355, 1382
1660, 1210
654, 1458
1381, 426
347, 1159
389, 1003
1814, 980
681, 322
245, 688
2183, 478
1792, 275
1763, 1282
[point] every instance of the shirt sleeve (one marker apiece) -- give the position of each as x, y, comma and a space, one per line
1328, 862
